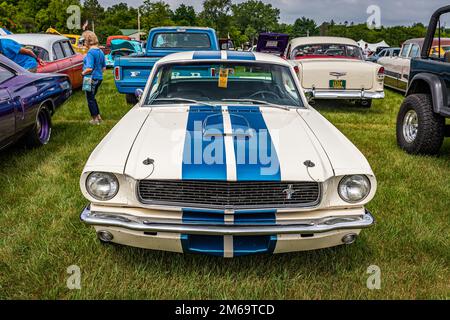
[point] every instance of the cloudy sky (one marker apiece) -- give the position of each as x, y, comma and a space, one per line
393, 12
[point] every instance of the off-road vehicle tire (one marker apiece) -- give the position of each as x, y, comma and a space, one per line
419, 129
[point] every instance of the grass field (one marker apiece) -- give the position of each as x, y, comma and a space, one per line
41, 234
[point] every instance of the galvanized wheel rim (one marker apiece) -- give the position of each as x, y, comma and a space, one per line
410, 126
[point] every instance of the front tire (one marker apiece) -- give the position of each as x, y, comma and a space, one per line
419, 129
42, 130
131, 98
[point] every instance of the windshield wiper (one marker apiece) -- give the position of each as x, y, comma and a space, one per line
183, 100
274, 105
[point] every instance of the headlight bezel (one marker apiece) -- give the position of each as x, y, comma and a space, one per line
365, 178
110, 175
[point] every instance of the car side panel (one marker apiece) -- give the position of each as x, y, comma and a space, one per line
7, 117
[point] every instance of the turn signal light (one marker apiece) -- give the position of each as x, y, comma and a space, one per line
381, 73
117, 73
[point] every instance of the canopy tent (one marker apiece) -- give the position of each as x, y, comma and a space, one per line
4, 32
372, 46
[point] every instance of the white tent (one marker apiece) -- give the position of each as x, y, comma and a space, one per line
372, 46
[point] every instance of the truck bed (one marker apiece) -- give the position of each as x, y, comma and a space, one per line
132, 72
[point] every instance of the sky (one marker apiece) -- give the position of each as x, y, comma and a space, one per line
393, 12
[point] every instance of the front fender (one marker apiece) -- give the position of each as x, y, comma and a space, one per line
436, 87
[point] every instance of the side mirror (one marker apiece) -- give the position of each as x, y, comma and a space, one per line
138, 93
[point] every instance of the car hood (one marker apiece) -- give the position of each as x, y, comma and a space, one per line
227, 143
243, 143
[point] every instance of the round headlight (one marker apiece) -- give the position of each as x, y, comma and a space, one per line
102, 185
354, 188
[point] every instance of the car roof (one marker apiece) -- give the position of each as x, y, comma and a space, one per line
181, 28
44, 40
419, 41
319, 40
244, 56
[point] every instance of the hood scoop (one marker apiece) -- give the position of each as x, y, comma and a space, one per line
212, 126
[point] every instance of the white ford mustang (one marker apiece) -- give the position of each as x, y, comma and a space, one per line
223, 155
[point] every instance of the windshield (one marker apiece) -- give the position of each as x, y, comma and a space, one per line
230, 82
181, 40
327, 50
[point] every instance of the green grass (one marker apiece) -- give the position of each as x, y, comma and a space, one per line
41, 235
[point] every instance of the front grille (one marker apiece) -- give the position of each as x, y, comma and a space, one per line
229, 194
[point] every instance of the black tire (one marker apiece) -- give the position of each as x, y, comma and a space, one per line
131, 98
429, 134
41, 132
366, 103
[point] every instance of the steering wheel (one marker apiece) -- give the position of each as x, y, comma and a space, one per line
263, 94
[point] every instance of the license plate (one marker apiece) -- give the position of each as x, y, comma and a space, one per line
338, 84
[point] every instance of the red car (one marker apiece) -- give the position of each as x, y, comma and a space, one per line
56, 54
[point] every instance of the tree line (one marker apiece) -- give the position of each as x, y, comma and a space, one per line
242, 22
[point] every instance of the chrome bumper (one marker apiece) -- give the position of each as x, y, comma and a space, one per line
307, 226
344, 94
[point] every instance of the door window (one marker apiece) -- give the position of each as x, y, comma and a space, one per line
67, 47
415, 51
405, 50
58, 51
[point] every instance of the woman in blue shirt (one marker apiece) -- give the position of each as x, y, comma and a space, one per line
93, 66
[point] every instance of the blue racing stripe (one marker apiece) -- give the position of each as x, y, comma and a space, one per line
252, 155
196, 167
240, 55
256, 157
207, 55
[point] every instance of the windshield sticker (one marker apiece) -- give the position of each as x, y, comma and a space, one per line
223, 78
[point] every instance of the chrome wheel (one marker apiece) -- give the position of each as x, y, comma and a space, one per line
410, 126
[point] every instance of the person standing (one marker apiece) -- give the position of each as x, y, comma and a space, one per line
14, 51
366, 51
93, 66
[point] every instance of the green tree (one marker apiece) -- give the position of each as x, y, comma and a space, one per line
254, 13
185, 16
121, 16
216, 14
303, 27
156, 14
93, 12
54, 15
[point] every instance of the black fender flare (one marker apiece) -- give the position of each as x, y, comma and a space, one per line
438, 90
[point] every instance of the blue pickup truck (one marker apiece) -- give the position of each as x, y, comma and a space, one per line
132, 72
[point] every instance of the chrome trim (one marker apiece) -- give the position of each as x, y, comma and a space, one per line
307, 226
344, 94
193, 206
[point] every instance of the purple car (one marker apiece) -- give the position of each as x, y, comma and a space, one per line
274, 43
27, 101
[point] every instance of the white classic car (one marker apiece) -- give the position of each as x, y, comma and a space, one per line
223, 155
334, 68
397, 68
